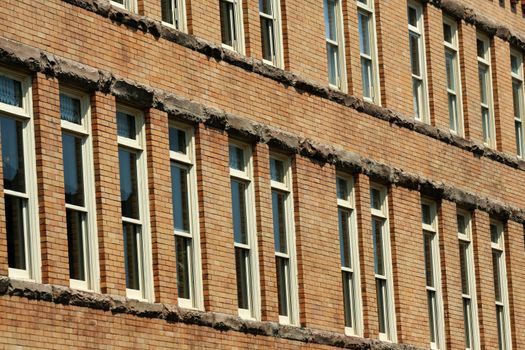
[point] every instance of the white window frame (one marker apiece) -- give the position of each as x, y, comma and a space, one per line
138, 145
486, 62
374, 87
355, 284
196, 300
130, 5
179, 12
439, 318
238, 44
454, 49
292, 282
32, 232
471, 271
246, 177
91, 261
419, 31
342, 81
390, 311
277, 34
519, 119
499, 246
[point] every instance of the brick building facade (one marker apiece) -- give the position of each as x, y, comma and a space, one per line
276, 174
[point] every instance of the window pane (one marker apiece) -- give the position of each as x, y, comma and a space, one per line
126, 126
496, 258
182, 250
267, 39
12, 154
282, 284
494, 234
332, 52
519, 138
453, 113
485, 115
447, 33
70, 109
237, 158
426, 214
366, 73
517, 98
179, 193
364, 32
348, 298
342, 189
431, 297
279, 221
429, 263
467, 319
10, 91
381, 306
344, 237
330, 19
129, 199
462, 224
375, 199
450, 65
515, 64
277, 170
242, 257
75, 243
417, 90
177, 140
483, 83
131, 255
480, 44
240, 227
412, 16
463, 251
73, 172
16, 225
414, 54
500, 315
377, 231
265, 6
167, 11
227, 23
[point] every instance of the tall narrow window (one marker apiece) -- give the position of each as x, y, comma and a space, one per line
418, 61
452, 67
368, 50
349, 255
468, 282
335, 50
284, 237
20, 188
271, 33
185, 216
433, 274
383, 263
174, 13
130, 5
485, 88
500, 285
516, 65
79, 190
134, 204
232, 31
244, 230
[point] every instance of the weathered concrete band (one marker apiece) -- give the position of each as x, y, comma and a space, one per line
20, 55
212, 50
173, 314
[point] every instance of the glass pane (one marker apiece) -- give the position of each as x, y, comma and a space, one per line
515, 64
377, 232
277, 170
183, 256
414, 54
16, 225
70, 109
267, 39
494, 234
10, 91
330, 19
227, 23
417, 90
447, 33
240, 226
167, 11
237, 158
75, 243
429, 262
332, 53
463, 261
129, 198
342, 189
481, 49
179, 195
348, 298
12, 154
426, 214
177, 140
126, 126
496, 270
431, 297
366, 73
73, 172
412, 16
462, 224
519, 138
381, 304
265, 6
282, 284
453, 113
279, 221
364, 32
485, 115
517, 98
450, 65
500, 317
483, 83
344, 237
375, 199
131, 255
242, 264
467, 319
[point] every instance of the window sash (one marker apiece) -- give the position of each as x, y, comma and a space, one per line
232, 25
335, 45
177, 16
369, 69
129, 5
272, 36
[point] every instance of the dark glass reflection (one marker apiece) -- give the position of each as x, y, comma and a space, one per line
279, 221
131, 255
177, 139
126, 125
12, 154
243, 275
128, 184
182, 245
70, 109
15, 222
73, 174
10, 91
179, 193
240, 227
75, 242
282, 284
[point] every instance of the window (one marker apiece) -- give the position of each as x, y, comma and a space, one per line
271, 34
232, 31
452, 67
468, 282
368, 50
134, 204
500, 285
418, 61
383, 263
485, 88
174, 13
516, 65
20, 187
130, 5
349, 255
433, 274
335, 50
79, 186
244, 230
185, 216
284, 236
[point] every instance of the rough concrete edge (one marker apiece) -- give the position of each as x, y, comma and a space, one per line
214, 51
173, 314
68, 71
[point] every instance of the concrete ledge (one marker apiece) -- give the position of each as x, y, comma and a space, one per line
174, 314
